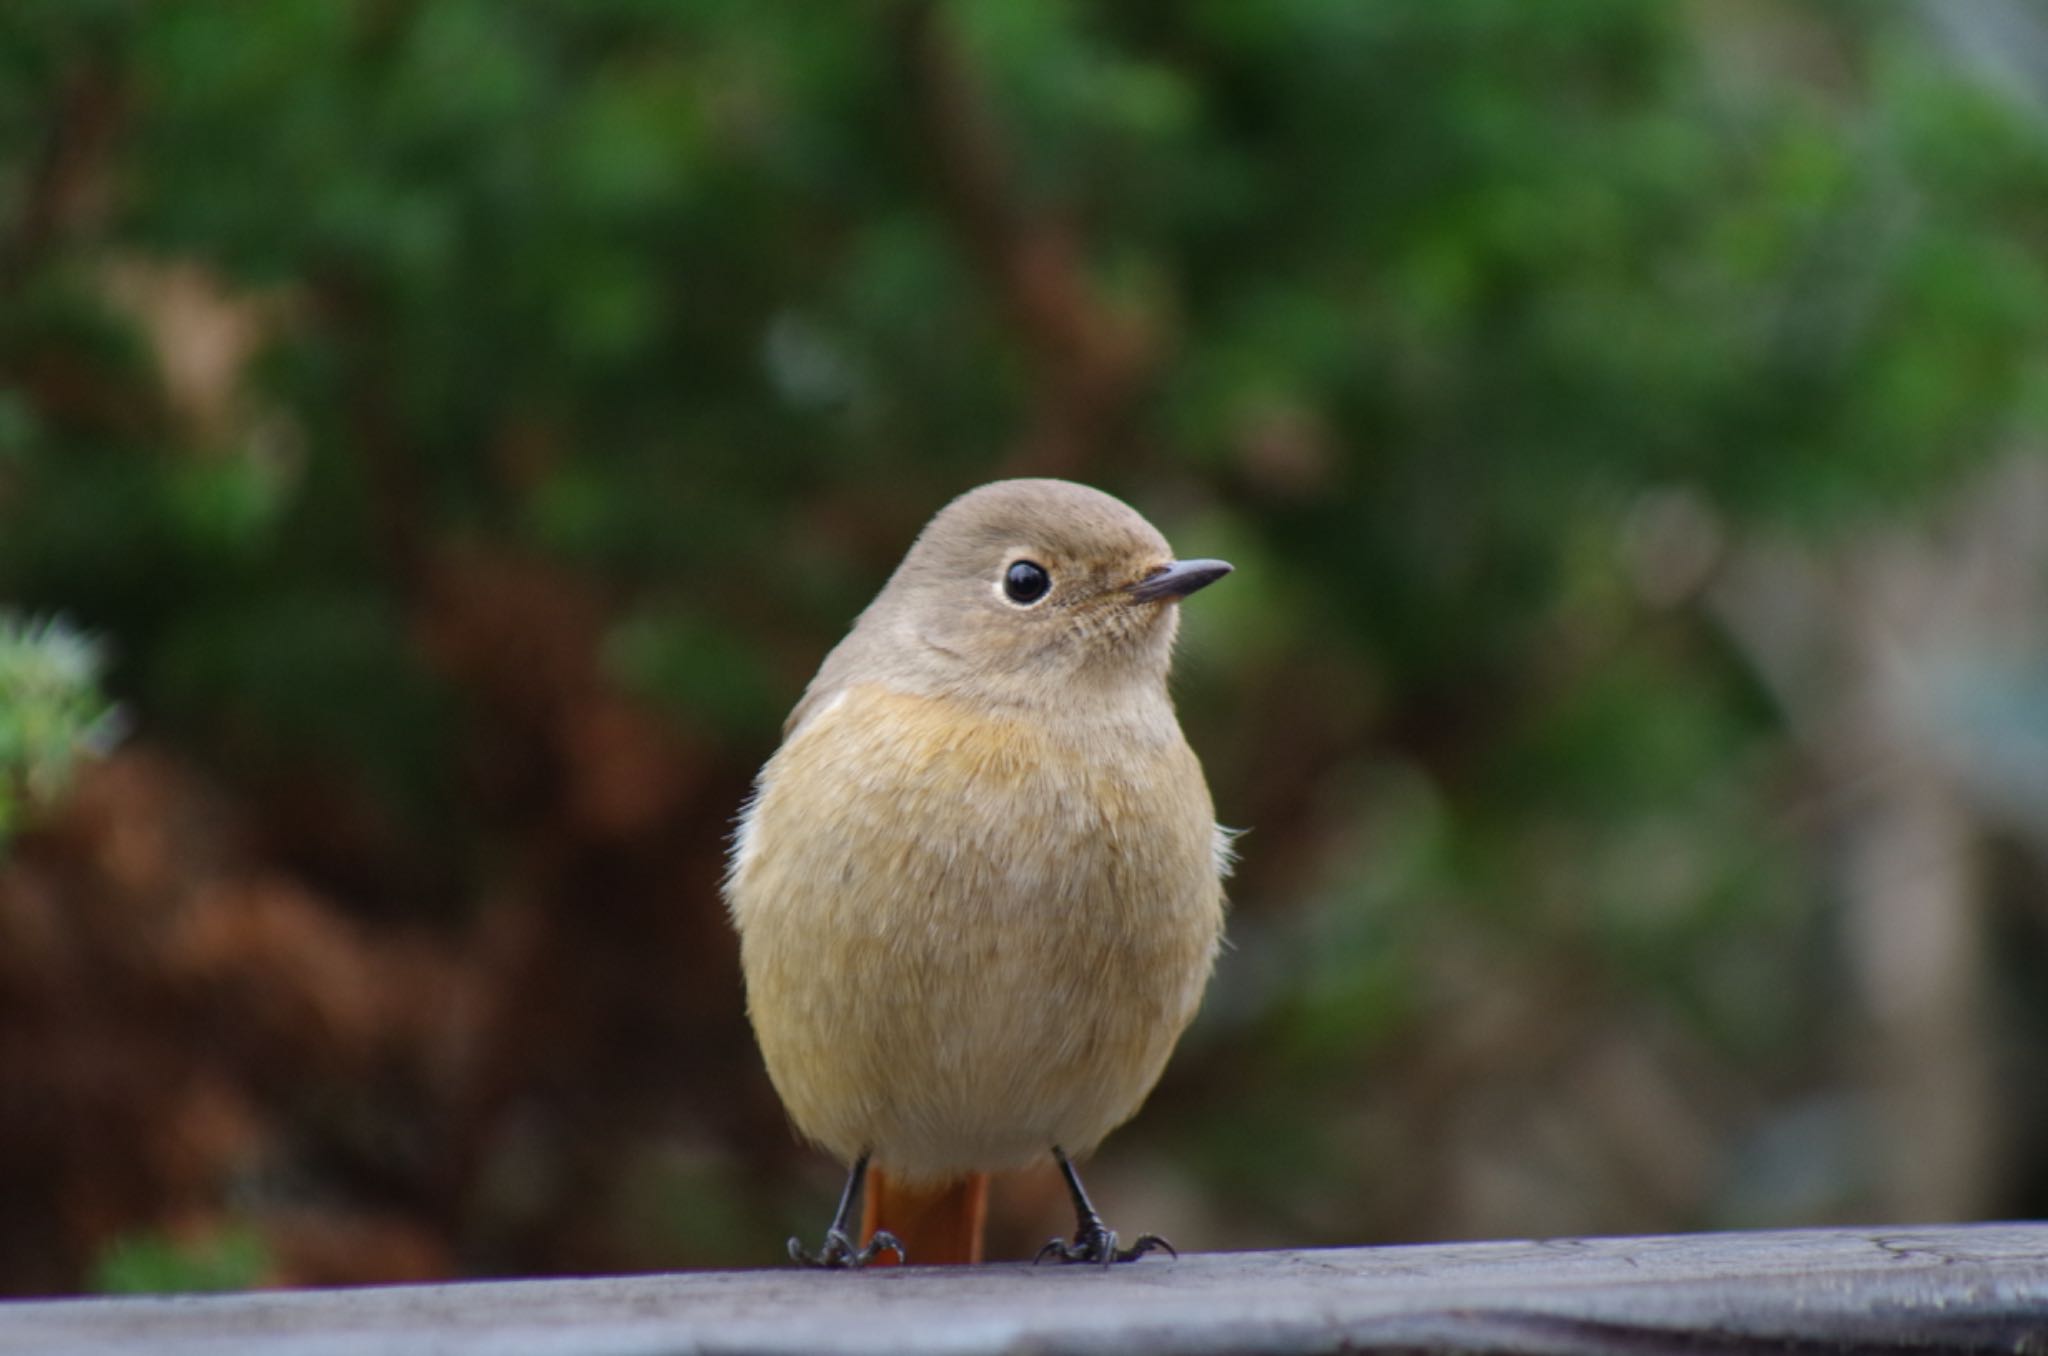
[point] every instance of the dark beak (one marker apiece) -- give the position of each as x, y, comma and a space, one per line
1177, 580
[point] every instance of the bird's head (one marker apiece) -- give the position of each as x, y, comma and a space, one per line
1023, 589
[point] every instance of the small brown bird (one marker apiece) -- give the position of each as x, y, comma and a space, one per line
979, 887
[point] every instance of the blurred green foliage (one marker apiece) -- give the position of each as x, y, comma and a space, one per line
158, 1265
51, 711
1475, 332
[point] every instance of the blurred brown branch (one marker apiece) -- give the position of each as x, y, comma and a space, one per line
70, 183
1093, 359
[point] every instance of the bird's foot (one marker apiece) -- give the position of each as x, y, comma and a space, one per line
839, 1253
1099, 1245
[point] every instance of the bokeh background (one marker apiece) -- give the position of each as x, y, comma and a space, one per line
451, 431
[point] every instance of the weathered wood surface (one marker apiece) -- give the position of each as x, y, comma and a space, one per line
1977, 1288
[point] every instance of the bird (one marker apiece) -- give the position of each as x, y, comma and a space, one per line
979, 886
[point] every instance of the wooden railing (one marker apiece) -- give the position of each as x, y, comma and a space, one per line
1975, 1288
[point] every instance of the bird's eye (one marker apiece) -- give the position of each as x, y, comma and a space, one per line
1025, 582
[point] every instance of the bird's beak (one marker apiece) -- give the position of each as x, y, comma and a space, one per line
1177, 580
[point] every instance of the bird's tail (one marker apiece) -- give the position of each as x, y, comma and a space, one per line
935, 1224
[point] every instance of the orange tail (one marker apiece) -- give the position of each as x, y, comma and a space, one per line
935, 1224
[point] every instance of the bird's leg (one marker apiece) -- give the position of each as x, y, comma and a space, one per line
1093, 1240
839, 1250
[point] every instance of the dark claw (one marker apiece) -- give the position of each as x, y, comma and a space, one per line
1099, 1245
1093, 1240
840, 1254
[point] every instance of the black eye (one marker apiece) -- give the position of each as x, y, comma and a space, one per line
1025, 582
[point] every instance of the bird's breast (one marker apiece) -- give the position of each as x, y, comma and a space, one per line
969, 937
917, 803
